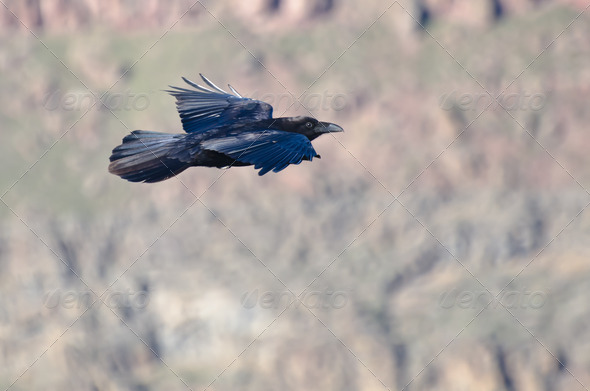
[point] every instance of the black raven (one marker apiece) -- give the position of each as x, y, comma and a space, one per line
222, 130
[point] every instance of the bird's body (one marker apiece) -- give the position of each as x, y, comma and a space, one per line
222, 130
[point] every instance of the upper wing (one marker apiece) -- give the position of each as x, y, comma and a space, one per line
203, 109
268, 150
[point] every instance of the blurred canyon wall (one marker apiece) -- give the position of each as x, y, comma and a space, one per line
124, 15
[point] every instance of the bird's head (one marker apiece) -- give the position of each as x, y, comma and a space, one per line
313, 128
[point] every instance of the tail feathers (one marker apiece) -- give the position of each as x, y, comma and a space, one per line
150, 156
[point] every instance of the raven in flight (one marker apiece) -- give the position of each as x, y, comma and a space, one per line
222, 130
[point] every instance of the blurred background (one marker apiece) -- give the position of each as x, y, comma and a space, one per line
441, 243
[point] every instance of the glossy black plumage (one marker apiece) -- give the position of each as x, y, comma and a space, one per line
222, 130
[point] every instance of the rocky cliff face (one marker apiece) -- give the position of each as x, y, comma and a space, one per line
481, 198
71, 15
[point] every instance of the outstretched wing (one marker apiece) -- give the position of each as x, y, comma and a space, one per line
266, 149
203, 108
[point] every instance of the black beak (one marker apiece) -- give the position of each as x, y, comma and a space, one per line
328, 127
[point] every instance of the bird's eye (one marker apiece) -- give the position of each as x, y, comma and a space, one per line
309, 124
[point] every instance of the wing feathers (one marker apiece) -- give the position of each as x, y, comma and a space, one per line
266, 149
210, 84
233, 90
208, 107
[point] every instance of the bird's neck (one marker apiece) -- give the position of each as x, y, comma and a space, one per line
281, 123
286, 124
